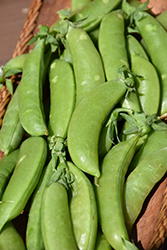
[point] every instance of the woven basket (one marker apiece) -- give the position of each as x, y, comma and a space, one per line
150, 231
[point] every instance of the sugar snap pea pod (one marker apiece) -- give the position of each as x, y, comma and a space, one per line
10, 239
109, 193
11, 132
30, 92
155, 38
112, 45
34, 239
102, 243
86, 59
86, 123
14, 65
162, 19
75, 4
148, 84
31, 159
62, 97
94, 12
105, 142
141, 181
7, 165
154, 142
83, 209
134, 46
56, 221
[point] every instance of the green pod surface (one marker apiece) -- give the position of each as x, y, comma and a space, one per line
141, 181
14, 65
105, 142
75, 4
34, 239
154, 142
147, 84
10, 239
31, 159
102, 243
155, 38
112, 45
109, 193
62, 97
87, 121
134, 46
87, 64
83, 210
94, 12
30, 92
7, 165
162, 19
55, 218
11, 132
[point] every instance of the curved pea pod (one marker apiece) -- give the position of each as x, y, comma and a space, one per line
55, 218
109, 193
34, 239
31, 159
112, 44
147, 84
30, 92
94, 12
7, 165
62, 97
87, 121
14, 65
101, 242
10, 239
155, 38
11, 132
154, 142
134, 46
141, 181
86, 59
83, 209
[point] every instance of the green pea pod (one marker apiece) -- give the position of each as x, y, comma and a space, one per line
102, 243
94, 35
14, 65
34, 239
7, 165
94, 12
87, 121
62, 97
30, 92
105, 142
134, 46
162, 18
56, 221
141, 181
109, 192
11, 132
112, 43
87, 64
154, 142
10, 239
75, 4
31, 159
148, 84
155, 38
83, 210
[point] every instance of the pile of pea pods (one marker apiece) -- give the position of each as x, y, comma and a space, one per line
84, 135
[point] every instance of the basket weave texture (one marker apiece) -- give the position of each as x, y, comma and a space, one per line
151, 228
